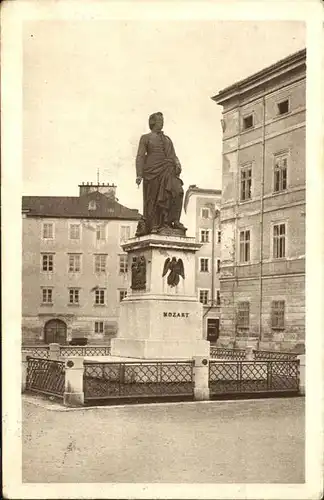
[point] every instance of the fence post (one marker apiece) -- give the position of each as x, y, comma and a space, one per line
73, 393
24, 365
249, 350
301, 358
54, 351
201, 378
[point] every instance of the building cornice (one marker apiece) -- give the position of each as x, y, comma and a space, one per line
261, 78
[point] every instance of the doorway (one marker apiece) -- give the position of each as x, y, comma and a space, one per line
55, 330
212, 329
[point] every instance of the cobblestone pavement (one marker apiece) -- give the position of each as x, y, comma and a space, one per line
213, 442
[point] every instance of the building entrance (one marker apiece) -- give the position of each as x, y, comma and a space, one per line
212, 329
55, 330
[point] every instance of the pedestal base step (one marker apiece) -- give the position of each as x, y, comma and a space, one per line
159, 349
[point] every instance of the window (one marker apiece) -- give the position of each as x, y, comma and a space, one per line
124, 233
74, 231
243, 315
246, 183
92, 205
122, 294
247, 122
47, 295
204, 265
205, 213
100, 232
219, 236
74, 296
48, 262
279, 241
218, 301
204, 235
100, 296
74, 263
280, 173
245, 246
100, 263
48, 230
283, 107
278, 315
99, 327
123, 264
218, 266
204, 296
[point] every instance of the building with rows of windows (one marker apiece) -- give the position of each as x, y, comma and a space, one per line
74, 271
203, 221
262, 282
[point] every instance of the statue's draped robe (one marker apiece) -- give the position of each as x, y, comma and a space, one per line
158, 164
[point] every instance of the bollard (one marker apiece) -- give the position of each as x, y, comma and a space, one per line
201, 378
73, 393
24, 366
54, 352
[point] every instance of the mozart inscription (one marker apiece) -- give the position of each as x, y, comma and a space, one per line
175, 315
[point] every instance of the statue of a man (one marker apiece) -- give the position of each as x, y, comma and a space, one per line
159, 168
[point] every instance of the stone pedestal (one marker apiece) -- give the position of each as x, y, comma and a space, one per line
161, 321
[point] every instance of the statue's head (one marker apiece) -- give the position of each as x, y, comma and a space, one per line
156, 121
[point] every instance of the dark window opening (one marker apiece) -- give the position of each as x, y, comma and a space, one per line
248, 122
283, 107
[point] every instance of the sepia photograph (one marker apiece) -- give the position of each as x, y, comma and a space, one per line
161, 329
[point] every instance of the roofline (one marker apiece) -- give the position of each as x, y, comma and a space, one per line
256, 79
195, 189
45, 216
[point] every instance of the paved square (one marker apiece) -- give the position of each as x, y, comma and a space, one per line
214, 442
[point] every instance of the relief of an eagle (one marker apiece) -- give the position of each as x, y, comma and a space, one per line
176, 270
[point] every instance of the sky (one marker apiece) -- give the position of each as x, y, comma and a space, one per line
89, 87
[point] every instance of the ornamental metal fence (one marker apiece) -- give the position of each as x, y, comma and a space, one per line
37, 351
274, 355
67, 350
88, 350
45, 376
242, 377
147, 379
226, 353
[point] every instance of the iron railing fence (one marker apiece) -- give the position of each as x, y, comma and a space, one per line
45, 376
141, 379
227, 353
37, 351
67, 350
274, 355
87, 350
239, 377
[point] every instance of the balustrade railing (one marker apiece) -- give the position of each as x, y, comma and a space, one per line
45, 376
274, 355
228, 377
92, 380
67, 350
137, 379
37, 351
226, 353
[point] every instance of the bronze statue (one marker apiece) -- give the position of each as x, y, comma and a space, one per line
139, 273
159, 168
176, 270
